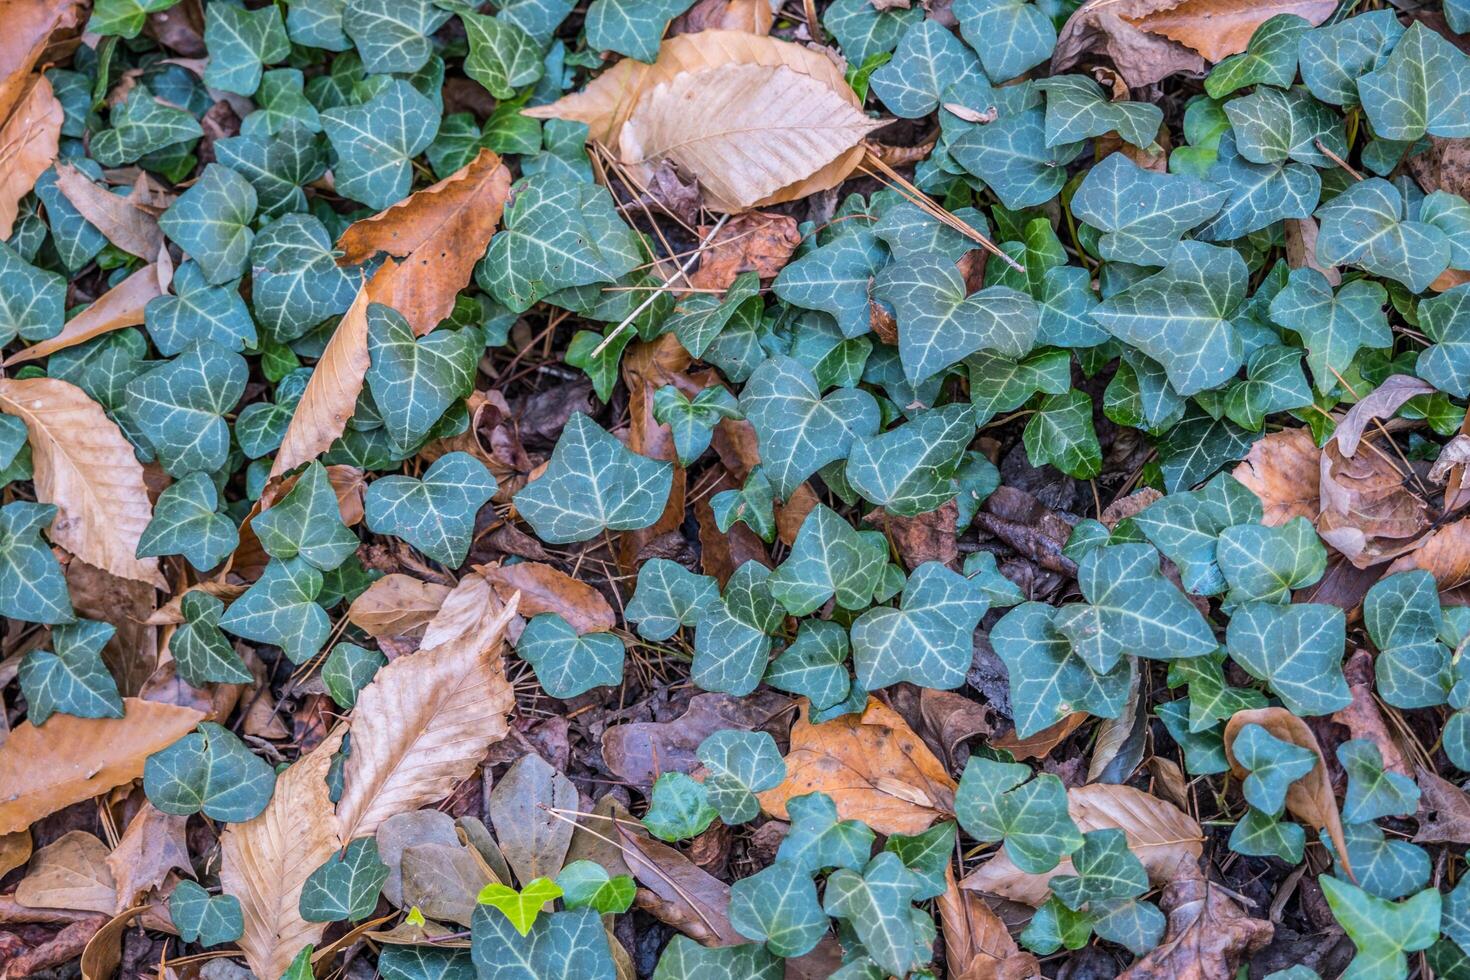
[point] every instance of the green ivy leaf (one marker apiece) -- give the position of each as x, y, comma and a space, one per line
307, 522
1060, 434
502, 56
630, 27
567, 664
692, 423
1107, 871
668, 596
317, 24
1272, 126
876, 904
1048, 680
679, 808
1274, 765
347, 670
1296, 649
31, 299
392, 35
125, 19
586, 884
1385, 868
1141, 213
199, 311
733, 637
209, 771
697, 319
73, 680
827, 558
1011, 35
179, 407
1274, 382
814, 665
346, 886
753, 505
927, 856
739, 765
1382, 931
909, 230
1269, 58
1373, 791
995, 801
1365, 226
1077, 109
202, 653
1267, 564
684, 959
377, 141
435, 514
1054, 927
836, 278
778, 906
1186, 527
142, 125
186, 521
909, 469
1259, 194
864, 32
1334, 327
1011, 155
32, 587
1260, 834
1446, 319
816, 839
281, 102
1000, 384
276, 166
240, 42
281, 608
930, 67
1211, 699
203, 918
1402, 615
1137, 926
927, 639
521, 909
1333, 57
422, 962
1422, 87
414, 381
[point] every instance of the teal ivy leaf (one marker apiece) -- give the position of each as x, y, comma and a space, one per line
32, 587
199, 311
521, 909
1011, 155
1365, 226
567, 664
1054, 927
1422, 87
209, 771
692, 423
1211, 699
1296, 649
538, 18
778, 906
421, 962
281, 102
1402, 615
1181, 316
600, 366
276, 166
435, 514
739, 765
1011, 35
1001, 384
1333, 57
927, 640
1268, 563
556, 233
1141, 213
926, 855
1446, 319
1060, 434
295, 282
817, 839
685, 959
414, 381
980, 568
593, 483
1450, 213
930, 67
1137, 926
995, 801
347, 670
1077, 109
876, 905
179, 405
1382, 931
240, 42
586, 884
201, 652
377, 141
1186, 526
13, 436
679, 808
1269, 58
1274, 382
814, 665
1204, 751
393, 35
125, 19
186, 521
863, 32
31, 299
1334, 327
836, 278
1373, 791
72, 680
908, 229
753, 505
142, 125
502, 56
260, 427
1273, 125
1131, 608
307, 522
1107, 871
1260, 194
799, 430
346, 886
733, 638
939, 325
697, 319
76, 239
1262, 835
909, 469
204, 918
1274, 764
317, 24
631, 27
1385, 868
1048, 680
211, 222
1140, 395
668, 596
828, 557
281, 608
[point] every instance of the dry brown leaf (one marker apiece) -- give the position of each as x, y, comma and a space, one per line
265, 861
73, 759
1209, 935
131, 654
642, 751
1165, 838
751, 16
121, 306
439, 233
151, 847
1041, 743
1309, 799
86, 467
424, 722
545, 589
1444, 166
103, 953
396, 605
28, 143
1443, 553
647, 367
1106, 27
1219, 28
752, 242
977, 945
676, 890
1283, 469
1444, 810
1364, 719
872, 765
15, 850
1301, 249
69, 873
125, 223
29, 26
171, 613
746, 132
929, 536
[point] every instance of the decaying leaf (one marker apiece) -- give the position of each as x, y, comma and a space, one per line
397, 605
756, 241
28, 143
1284, 471
1209, 935
977, 944
70, 873
1443, 553
544, 588
151, 847
127, 222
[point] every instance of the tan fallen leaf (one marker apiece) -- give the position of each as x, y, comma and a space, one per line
1166, 839
265, 861
424, 722
1283, 469
439, 233
1364, 718
646, 367
1309, 799
396, 605
1209, 935
977, 945
1220, 28
69, 873
103, 953
121, 306
745, 132
151, 847
72, 759
545, 589
1041, 743
751, 16
675, 890
752, 242
1444, 810
1109, 27
29, 28
15, 850
87, 468
1301, 249
171, 613
1443, 553
872, 765
125, 223
28, 144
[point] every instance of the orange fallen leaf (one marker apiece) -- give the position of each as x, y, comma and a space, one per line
121, 306
15, 850
28, 144
751, 16
1219, 28
1283, 469
1443, 553
752, 242
1041, 743
545, 589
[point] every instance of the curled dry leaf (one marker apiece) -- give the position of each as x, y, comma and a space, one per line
752, 242
751, 16
545, 589
70, 873
1040, 744
151, 847
1309, 799
1443, 553
929, 536
1444, 810
977, 945
872, 765
1110, 27
1209, 935
28, 144
121, 306
86, 467
396, 605
1165, 838
29, 28
1301, 249
642, 751
439, 233
125, 221
1283, 469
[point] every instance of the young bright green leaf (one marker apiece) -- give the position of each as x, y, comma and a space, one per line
347, 670
1077, 109
778, 906
179, 405
1141, 213
186, 521
1274, 764
814, 665
1048, 680
1061, 434
346, 885
240, 42
930, 67
1054, 927
816, 839
435, 514
1365, 226
307, 522
692, 422
72, 680
1296, 649
739, 765
377, 141
1107, 871
1266, 564
392, 35
685, 959
679, 808
281, 608
562, 944
212, 771
1382, 931
876, 904
836, 278
927, 640
142, 125
1334, 56
1422, 87
1372, 790
586, 884
752, 505
668, 596
521, 909
733, 637
201, 652
1011, 35
909, 469
203, 918
1269, 58
32, 587
828, 558
567, 664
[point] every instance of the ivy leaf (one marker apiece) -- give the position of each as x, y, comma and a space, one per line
1274, 382
930, 67
1296, 649
1268, 563
733, 637
828, 557
73, 680
1373, 791
1334, 327
199, 311
421, 962
1048, 681
1054, 926
586, 884
1365, 226
908, 229
1402, 615
211, 222
240, 42
778, 906
32, 587
347, 670
739, 765
630, 27
699, 318
1269, 58
204, 918
186, 521
392, 35
1446, 319
1259, 194
260, 427
567, 664
413, 380
276, 166
568, 944
125, 19
692, 423
1186, 527
502, 56
1077, 109
1011, 35
939, 325
521, 909
346, 886
1141, 213
753, 505
876, 904
679, 808
685, 959
1060, 434
435, 514
202, 653
1000, 384
1211, 700
817, 839
592, 484
814, 665
209, 771
863, 32
1181, 316
1107, 871
1262, 835
179, 407
799, 430
668, 596
926, 855
1333, 57
995, 801
835, 278
909, 469
927, 639
1137, 926
1271, 126
281, 102
31, 299
1382, 931
307, 522
1274, 765
1422, 87
1385, 868
142, 125
280, 608
1011, 156
377, 141
295, 281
